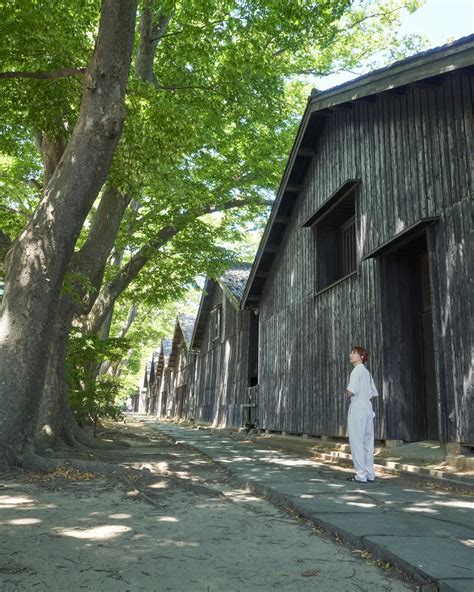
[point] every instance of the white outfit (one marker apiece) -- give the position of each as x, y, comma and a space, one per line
360, 422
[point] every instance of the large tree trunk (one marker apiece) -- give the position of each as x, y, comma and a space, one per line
53, 403
38, 261
90, 262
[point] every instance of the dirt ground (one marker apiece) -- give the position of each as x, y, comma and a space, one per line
179, 526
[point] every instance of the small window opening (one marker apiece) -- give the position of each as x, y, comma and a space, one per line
216, 324
336, 242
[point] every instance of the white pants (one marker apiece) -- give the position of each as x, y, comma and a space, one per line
360, 425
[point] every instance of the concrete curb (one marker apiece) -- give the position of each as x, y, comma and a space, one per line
403, 469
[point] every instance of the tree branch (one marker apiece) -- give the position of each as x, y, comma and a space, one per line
371, 16
159, 86
159, 28
23, 214
35, 184
151, 32
51, 75
237, 203
133, 267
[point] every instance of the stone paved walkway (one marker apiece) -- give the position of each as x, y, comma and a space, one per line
425, 530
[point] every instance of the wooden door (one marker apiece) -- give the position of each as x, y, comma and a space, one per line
409, 361
180, 396
427, 344
164, 401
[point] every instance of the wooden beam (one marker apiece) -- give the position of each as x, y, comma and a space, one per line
343, 107
252, 301
326, 112
271, 248
281, 219
429, 83
293, 188
306, 152
262, 274
398, 91
369, 99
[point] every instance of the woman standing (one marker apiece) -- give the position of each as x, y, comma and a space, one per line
360, 421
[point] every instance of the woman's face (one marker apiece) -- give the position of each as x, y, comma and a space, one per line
354, 357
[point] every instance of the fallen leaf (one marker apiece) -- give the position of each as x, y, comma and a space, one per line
310, 572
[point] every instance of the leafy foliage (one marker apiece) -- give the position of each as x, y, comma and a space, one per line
92, 398
210, 127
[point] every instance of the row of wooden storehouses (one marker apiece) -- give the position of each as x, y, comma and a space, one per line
369, 242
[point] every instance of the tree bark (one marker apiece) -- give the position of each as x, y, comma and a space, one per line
38, 260
89, 263
151, 32
51, 150
112, 367
54, 399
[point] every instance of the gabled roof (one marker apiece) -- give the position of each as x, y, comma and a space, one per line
186, 322
147, 374
183, 331
204, 309
151, 377
163, 357
166, 345
428, 67
233, 283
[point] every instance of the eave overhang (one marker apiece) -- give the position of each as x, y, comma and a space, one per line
402, 238
331, 203
203, 312
178, 339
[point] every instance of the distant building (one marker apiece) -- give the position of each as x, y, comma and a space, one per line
222, 337
182, 365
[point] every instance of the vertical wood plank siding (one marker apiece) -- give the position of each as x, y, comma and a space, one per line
413, 154
222, 368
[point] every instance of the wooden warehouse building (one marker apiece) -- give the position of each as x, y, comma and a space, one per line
225, 341
369, 242
157, 381
179, 373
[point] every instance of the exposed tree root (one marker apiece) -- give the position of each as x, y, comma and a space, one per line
75, 436
70, 440
35, 462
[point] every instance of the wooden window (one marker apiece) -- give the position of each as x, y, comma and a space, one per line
348, 247
335, 235
216, 323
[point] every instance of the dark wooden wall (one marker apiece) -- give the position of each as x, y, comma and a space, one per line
222, 368
413, 155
